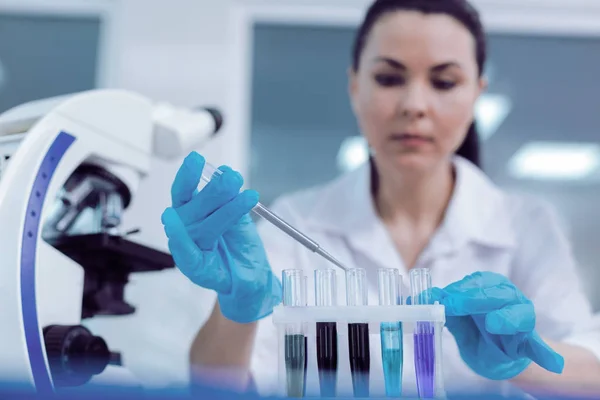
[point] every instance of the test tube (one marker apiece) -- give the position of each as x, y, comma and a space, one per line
420, 283
305, 338
358, 333
294, 295
392, 354
327, 343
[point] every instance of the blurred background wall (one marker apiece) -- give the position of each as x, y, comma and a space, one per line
278, 71
538, 120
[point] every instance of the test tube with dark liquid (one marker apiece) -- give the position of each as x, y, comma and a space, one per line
305, 338
420, 283
358, 333
392, 354
327, 338
294, 295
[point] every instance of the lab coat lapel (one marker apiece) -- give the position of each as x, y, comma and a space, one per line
477, 213
347, 210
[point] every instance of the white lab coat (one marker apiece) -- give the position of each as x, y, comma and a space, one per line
484, 229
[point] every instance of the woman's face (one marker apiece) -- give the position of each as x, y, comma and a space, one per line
415, 89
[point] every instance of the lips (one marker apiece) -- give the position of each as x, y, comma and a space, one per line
411, 137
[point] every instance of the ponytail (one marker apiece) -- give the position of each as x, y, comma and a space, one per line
469, 148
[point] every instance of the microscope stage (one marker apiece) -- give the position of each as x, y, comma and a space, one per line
104, 251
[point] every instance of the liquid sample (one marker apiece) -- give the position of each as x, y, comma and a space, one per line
327, 357
305, 365
295, 364
360, 358
392, 356
425, 359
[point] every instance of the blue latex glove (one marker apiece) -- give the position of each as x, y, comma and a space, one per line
214, 241
494, 326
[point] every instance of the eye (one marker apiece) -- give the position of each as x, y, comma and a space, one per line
443, 84
389, 80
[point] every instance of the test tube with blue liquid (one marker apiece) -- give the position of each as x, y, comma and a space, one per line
392, 354
294, 295
424, 339
327, 337
358, 333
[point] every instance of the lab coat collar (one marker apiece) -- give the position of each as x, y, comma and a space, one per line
477, 213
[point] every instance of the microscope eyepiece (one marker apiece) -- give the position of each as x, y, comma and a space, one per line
217, 115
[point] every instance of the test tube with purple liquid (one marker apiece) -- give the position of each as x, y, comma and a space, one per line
424, 338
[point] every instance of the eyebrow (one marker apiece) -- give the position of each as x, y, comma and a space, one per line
398, 65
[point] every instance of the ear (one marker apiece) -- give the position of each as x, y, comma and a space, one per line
483, 85
352, 87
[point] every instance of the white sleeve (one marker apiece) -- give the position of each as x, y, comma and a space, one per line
546, 271
282, 253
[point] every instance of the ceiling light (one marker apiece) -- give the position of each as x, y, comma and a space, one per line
3, 75
555, 160
353, 152
490, 112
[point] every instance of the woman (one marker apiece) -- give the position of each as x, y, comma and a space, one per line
415, 77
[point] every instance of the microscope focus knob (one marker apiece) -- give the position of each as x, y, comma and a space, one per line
74, 354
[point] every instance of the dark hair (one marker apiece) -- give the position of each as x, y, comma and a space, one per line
460, 10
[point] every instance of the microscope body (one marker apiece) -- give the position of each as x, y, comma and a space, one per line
72, 167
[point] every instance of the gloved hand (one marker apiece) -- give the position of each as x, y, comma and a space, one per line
214, 241
493, 324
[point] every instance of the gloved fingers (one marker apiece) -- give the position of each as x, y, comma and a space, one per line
481, 300
464, 330
428, 296
223, 219
200, 267
187, 179
511, 320
272, 300
200, 233
218, 192
254, 302
480, 279
183, 249
540, 353
276, 290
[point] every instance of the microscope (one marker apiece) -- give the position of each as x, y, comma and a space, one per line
69, 168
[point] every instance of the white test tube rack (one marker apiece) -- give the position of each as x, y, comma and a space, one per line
374, 315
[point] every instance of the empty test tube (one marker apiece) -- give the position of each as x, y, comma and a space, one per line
294, 295
358, 333
392, 354
420, 283
327, 340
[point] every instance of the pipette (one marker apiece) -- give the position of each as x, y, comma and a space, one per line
209, 171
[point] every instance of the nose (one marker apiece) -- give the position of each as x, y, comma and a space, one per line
414, 102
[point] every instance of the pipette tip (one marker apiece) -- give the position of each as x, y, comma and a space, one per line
331, 259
